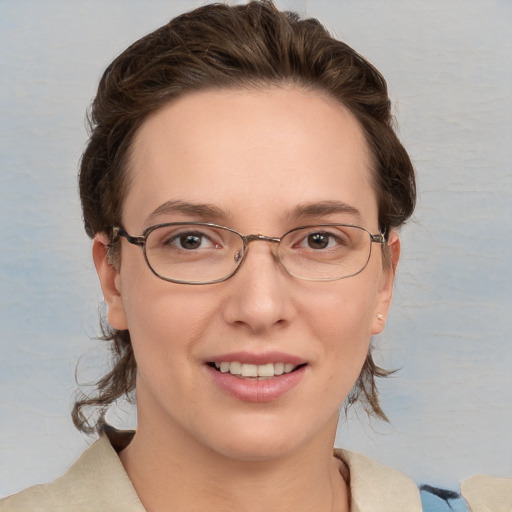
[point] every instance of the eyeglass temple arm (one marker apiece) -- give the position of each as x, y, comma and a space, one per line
135, 240
379, 238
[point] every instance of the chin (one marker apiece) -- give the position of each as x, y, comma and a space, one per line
266, 439
257, 450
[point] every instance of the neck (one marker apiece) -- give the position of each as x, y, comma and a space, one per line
171, 471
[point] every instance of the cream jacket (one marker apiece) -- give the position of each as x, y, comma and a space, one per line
98, 482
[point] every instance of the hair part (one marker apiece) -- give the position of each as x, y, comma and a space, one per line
220, 46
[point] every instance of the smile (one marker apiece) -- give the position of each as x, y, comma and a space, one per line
254, 371
257, 378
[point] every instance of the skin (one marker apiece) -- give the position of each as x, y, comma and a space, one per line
257, 155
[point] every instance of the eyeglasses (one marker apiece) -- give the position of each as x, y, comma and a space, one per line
206, 253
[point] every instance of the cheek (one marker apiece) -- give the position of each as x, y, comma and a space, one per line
342, 308
342, 319
163, 333
164, 319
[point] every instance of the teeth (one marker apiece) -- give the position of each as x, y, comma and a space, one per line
235, 368
266, 370
254, 370
278, 368
249, 370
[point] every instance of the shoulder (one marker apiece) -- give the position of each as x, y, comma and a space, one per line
96, 481
486, 493
377, 487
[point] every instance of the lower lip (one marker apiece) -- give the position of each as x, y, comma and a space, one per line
255, 390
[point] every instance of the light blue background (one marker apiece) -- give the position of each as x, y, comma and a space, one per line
449, 68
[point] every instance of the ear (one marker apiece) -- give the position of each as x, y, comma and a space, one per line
385, 291
110, 281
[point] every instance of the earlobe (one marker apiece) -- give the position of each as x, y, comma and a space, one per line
110, 283
385, 293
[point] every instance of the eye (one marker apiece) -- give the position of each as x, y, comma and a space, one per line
186, 239
318, 240
322, 240
191, 241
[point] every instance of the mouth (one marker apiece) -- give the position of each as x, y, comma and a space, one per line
254, 371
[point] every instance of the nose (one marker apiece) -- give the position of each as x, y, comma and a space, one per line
260, 294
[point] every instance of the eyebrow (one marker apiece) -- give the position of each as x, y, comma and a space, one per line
204, 210
324, 208
211, 212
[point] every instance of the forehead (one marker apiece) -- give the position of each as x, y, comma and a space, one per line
251, 153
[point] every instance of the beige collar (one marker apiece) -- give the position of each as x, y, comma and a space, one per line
98, 481
488, 494
374, 487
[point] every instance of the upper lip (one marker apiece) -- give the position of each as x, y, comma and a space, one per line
257, 358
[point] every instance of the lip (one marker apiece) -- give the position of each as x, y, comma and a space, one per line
256, 390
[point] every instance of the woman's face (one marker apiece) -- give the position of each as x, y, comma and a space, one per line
260, 161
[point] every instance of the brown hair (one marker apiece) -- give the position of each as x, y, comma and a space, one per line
220, 46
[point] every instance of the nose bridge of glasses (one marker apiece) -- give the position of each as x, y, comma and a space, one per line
247, 239
261, 238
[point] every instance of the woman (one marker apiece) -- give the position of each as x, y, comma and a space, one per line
243, 187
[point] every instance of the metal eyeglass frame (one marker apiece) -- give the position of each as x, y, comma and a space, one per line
140, 240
